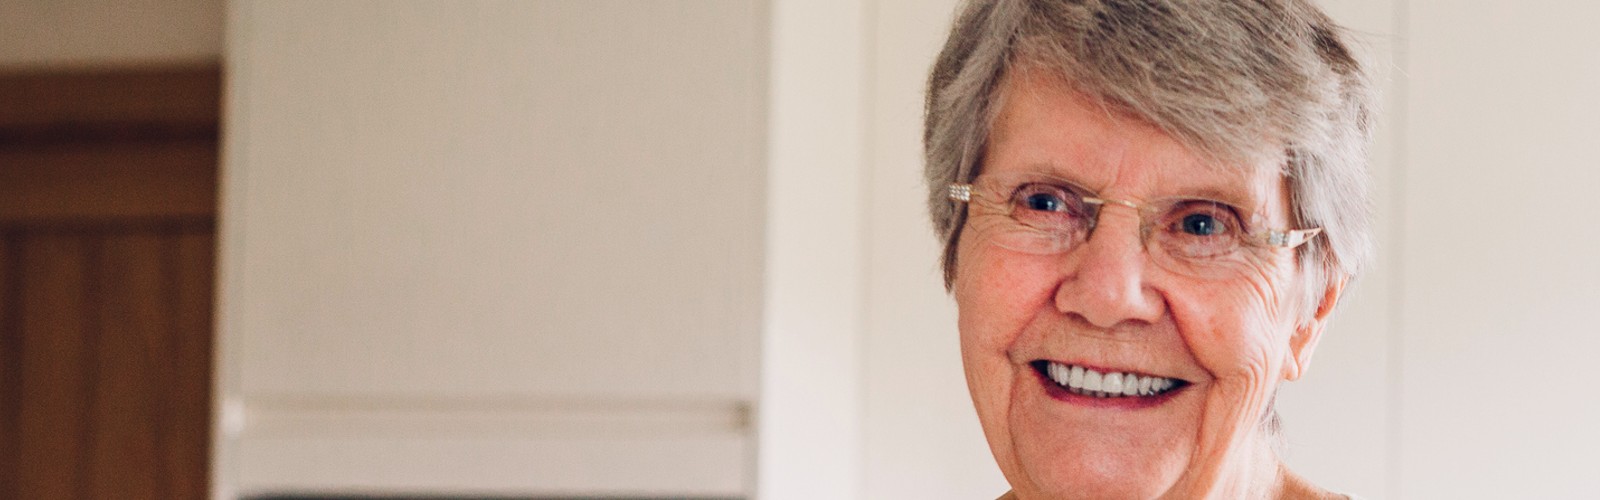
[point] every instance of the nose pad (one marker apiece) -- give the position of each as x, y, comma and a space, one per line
1105, 279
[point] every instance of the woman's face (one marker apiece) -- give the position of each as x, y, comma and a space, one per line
1105, 306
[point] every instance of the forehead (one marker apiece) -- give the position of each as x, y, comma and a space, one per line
1045, 126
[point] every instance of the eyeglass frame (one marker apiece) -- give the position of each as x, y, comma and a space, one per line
1270, 237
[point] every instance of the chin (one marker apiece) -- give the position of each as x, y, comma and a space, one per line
1097, 467
1094, 474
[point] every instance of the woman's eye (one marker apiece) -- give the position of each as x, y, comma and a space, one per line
1047, 207
1045, 202
1201, 225
1201, 229
1041, 197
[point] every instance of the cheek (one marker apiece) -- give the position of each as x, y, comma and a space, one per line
998, 293
1237, 326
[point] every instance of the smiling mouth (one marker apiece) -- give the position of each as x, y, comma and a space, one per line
1089, 382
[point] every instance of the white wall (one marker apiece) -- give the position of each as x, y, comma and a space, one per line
811, 382
923, 440
1499, 278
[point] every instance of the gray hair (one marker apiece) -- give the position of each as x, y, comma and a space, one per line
1229, 79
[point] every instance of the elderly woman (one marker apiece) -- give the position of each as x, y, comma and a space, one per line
1149, 210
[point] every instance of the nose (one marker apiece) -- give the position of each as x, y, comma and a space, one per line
1104, 279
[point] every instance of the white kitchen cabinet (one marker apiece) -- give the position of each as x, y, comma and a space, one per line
492, 246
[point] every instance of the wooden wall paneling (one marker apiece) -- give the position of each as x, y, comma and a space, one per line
107, 214
190, 260
134, 368
119, 180
58, 364
51, 102
10, 363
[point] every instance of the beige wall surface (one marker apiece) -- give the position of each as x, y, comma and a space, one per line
40, 33
1499, 279
809, 419
922, 436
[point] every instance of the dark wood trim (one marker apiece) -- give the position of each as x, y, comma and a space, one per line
197, 256
11, 346
112, 226
93, 330
57, 134
166, 369
54, 99
96, 180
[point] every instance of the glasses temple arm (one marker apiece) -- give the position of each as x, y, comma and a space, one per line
1292, 238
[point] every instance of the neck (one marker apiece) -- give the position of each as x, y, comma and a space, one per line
1264, 472
1272, 479
1265, 476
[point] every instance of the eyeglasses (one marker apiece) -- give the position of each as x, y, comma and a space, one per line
1044, 215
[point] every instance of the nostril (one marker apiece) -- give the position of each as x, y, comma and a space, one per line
1107, 291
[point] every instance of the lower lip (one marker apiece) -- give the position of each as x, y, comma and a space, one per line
1061, 394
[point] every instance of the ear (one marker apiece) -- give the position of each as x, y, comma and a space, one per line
1306, 335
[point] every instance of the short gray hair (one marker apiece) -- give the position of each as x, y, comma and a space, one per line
1228, 79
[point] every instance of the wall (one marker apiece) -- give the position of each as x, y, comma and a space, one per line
810, 419
1498, 279
923, 438
109, 32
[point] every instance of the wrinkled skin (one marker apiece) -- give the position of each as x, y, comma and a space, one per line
1106, 304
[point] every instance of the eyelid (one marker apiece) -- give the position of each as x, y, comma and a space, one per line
1172, 204
1068, 193
1071, 191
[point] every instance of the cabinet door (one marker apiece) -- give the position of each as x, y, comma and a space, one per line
502, 245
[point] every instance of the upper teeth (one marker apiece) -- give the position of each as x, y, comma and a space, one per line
1081, 380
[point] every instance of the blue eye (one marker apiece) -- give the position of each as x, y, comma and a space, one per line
1048, 206
1200, 229
1045, 202
1201, 225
